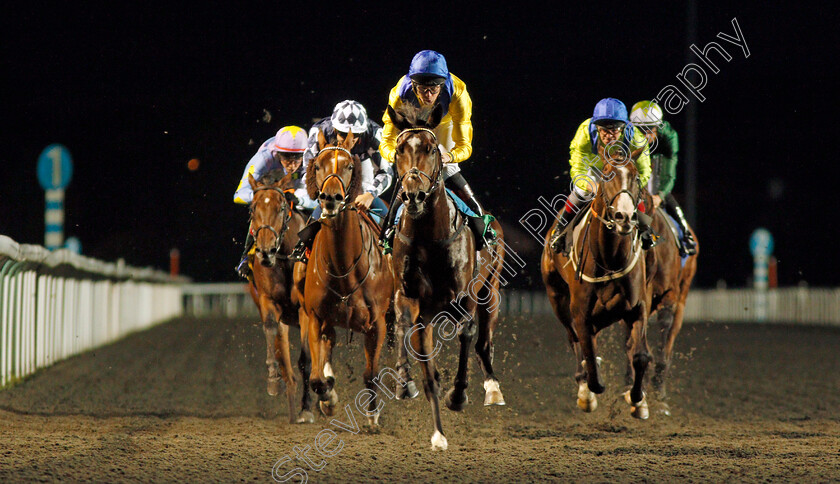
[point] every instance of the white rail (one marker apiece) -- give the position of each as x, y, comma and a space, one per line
813, 306
54, 305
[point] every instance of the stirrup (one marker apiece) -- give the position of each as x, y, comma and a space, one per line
688, 246
649, 239
386, 241
299, 252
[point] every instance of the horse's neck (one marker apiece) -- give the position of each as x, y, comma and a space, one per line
608, 249
437, 222
339, 238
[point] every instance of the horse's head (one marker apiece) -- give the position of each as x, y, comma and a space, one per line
620, 190
334, 177
269, 215
417, 158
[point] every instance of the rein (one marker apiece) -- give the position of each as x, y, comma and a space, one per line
433, 181
358, 259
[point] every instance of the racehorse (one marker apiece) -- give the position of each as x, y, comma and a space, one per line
349, 282
274, 226
603, 280
669, 290
436, 266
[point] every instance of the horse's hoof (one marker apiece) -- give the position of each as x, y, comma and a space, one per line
493, 395
327, 405
373, 422
455, 404
305, 417
407, 391
274, 386
639, 409
439, 441
663, 408
587, 401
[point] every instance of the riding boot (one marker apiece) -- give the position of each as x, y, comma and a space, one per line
649, 236
307, 238
689, 246
242, 268
386, 236
558, 238
480, 225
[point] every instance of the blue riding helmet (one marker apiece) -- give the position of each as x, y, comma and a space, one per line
429, 66
610, 109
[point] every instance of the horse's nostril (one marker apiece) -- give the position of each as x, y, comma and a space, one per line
620, 216
634, 217
322, 196
404, 197
272, 251
421, 196
339, 198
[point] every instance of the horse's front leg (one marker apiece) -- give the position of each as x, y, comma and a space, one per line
305, 367
405, 314
423, 348
488, 316
639, 355
457, 397
374, 340
271, 330
321, 377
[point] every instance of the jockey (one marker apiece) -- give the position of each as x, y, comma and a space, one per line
284, 150
429, 82
377, 174
607, 126
664, 145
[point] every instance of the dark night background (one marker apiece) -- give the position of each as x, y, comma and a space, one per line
136, 90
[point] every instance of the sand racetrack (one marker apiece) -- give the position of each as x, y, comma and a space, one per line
186, 401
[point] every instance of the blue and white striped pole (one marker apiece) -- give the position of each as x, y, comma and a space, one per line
55, 168
761, 246
54, 219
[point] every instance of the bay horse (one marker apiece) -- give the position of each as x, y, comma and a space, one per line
437, 268
349, 282
602, 280
274, 226
671, 280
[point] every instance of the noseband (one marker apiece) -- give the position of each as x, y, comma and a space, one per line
610, 222
335, 174
278, 238
433, 181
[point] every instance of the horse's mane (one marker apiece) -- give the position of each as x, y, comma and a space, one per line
410, 116
354, 188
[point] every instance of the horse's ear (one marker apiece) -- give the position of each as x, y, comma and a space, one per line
436, 116
322, 140
311, 179
397, 118
252, 181
634, 155
349, 141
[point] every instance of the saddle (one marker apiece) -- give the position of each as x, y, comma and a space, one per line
569, 231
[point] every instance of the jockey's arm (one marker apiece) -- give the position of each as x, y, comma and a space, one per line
256, 167
460, 110
388, 143
581, 157
643, 162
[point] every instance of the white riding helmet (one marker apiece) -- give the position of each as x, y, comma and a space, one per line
349, 116
646, 113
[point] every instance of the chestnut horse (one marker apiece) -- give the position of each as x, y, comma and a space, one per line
603, 280
669, 290
436, 266
274, 226
349, 282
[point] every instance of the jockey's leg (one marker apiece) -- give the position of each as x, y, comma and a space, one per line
378, 209
573, 205
307, 236
456, 182
673, 209
242, 268
386, 236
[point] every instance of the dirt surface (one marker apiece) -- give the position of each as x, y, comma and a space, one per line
186, 401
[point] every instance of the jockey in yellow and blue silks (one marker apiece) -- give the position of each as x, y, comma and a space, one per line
427, 83
282, 151
608, 125
664, 146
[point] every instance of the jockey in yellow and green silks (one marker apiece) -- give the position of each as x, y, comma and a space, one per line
427, 83
608, 125
663, 145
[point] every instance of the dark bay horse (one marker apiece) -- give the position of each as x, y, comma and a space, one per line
440, 281
604, 280
274, 226
671, 281
349, 282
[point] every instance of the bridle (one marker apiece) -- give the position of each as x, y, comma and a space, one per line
609, 220
342, 205
278, 237
433, 180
